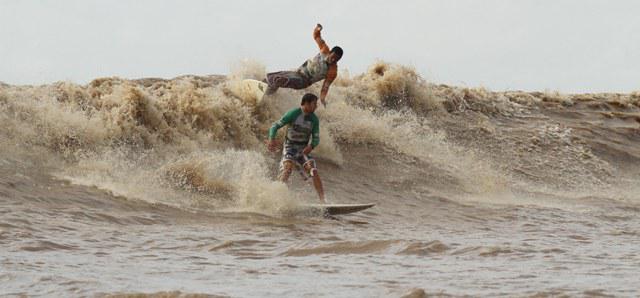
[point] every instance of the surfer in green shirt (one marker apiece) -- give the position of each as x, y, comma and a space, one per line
304, 126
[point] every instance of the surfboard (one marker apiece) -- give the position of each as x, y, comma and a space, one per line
335, 209
249, 87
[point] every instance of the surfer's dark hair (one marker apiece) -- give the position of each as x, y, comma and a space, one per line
309, 97
337, 50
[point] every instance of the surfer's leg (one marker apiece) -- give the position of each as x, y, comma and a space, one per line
297, 81
271, 82
285, 170
288, 163
285, 79
276, 80
310, 167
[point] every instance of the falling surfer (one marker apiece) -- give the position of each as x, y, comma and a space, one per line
323, 66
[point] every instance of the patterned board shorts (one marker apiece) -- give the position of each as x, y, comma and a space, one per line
294, 153
286, 79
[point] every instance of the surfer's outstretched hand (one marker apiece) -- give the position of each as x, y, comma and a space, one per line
307, 150
272, 145
318, 27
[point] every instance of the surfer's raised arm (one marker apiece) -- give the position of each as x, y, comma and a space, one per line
318, 38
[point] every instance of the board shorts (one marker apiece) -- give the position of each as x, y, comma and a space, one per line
286, 79
293, 152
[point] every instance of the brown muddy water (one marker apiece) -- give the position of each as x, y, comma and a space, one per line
164, 188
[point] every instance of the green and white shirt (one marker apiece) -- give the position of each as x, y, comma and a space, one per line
301, 127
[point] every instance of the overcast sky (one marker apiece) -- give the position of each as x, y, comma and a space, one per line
564, 45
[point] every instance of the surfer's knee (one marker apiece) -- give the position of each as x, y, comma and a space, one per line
310, 167
287, 166
271, 85
285, 170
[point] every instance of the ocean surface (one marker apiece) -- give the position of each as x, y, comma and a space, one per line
164, 188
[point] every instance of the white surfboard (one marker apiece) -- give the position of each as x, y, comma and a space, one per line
335, 209
251, 88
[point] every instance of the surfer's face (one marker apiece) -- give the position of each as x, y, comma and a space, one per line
333, 58
310, 107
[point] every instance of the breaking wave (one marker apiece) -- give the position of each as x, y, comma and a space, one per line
189, 142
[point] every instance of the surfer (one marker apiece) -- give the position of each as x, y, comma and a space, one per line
324, 66
304, 126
